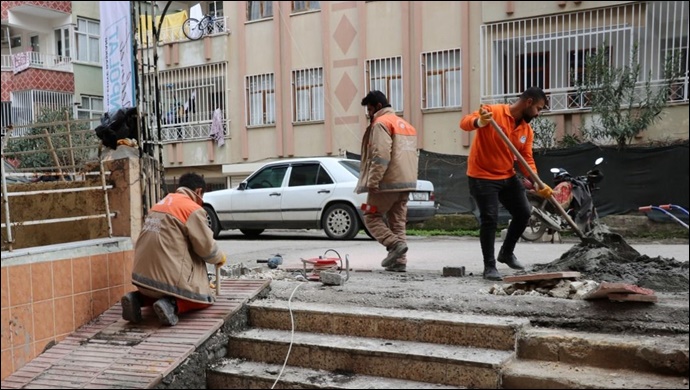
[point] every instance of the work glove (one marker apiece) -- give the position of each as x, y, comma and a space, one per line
545, 191
222, 262
484, 117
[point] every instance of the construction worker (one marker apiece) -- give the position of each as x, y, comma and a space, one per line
492, 177
388, 173
170, 256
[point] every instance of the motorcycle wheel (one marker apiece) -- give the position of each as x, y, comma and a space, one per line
535, 227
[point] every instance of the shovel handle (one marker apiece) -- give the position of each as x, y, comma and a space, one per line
217, 281
535, 178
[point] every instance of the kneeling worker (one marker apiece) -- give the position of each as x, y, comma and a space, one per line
170, 256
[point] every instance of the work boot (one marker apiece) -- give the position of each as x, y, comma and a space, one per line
397, 267
490, 271
131, 307
509, 259
394, 253
165, 310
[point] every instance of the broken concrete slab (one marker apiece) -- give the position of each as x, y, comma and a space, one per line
606, 288
542, 276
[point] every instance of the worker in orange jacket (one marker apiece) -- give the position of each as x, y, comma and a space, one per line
492, 177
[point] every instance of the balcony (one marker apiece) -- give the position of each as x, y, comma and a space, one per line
171, 34
21, 61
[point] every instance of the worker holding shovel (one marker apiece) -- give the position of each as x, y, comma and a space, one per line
492, 177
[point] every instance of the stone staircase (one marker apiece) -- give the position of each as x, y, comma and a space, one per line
337, 346
559, 359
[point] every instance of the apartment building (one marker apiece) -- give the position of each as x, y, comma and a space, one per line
277, 79
44, 45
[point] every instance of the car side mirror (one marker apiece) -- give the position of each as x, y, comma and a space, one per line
242, 186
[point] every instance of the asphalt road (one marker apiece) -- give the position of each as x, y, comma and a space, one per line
425, 253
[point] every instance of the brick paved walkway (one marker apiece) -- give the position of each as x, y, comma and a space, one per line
109, 352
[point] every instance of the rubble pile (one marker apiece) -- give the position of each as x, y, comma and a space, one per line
556, 288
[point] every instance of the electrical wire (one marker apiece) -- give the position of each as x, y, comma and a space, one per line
292, 335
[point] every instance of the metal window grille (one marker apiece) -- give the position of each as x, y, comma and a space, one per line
259, 10
441, 79
88, 34
385, 75
550, 51
307, 95
301, 6
27, 106
188, 98
260, 99
6, 116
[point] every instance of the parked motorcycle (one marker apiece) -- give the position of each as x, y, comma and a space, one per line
574, 193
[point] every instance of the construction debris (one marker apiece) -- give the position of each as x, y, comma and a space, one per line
454, 271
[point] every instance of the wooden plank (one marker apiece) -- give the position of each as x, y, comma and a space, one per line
544, 276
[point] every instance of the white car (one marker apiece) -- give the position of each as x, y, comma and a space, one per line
303, 193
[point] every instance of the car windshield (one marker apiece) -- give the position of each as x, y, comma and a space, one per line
352, 166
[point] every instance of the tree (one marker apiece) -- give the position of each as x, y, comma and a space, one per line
34, 151
544, 132
622, 105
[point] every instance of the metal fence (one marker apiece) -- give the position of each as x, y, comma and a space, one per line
66, 151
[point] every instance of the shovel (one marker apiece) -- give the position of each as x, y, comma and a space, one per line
536, 179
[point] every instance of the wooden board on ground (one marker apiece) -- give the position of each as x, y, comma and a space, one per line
544, 276
606, 288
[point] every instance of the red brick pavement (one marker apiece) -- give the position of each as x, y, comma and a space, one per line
109, 352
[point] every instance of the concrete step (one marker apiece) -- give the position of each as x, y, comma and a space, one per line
393, 324
535, 374
243, 374
407, 360
661, 355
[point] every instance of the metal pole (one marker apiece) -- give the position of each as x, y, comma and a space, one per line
105, 196
69, 143
5, 201
57, 220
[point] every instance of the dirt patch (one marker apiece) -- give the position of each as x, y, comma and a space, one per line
52, 205
619, 262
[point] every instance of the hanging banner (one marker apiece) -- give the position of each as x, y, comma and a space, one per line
116, 52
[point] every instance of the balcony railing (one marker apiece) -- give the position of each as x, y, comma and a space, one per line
21, 61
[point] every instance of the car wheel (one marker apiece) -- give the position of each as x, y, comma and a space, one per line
212, 221
252, 232
340, 222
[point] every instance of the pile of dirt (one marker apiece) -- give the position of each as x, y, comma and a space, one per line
619, 262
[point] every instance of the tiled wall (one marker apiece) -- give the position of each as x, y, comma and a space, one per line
44, 301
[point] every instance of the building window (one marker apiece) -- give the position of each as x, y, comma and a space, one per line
441, 86
301, 6
215, 8
189, 98
91, 107
307, 95
551, 51
261, 99
16, 41
88, 37
259, 10
385, 75
63, 45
